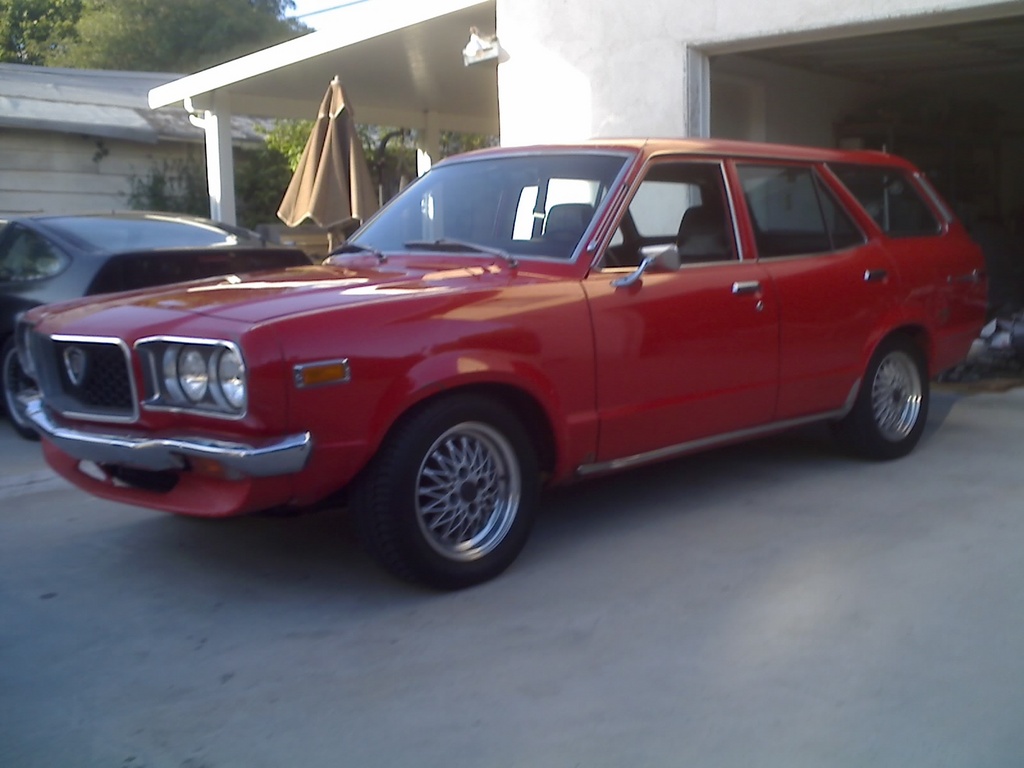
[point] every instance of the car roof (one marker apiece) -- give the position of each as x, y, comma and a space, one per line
710, 147
118, 232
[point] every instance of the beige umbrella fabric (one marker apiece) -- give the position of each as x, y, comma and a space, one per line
331, 184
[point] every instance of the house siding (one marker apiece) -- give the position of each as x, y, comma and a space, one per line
57, 173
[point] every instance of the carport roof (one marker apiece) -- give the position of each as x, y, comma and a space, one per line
399, 60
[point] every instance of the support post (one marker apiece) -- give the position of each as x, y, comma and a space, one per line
428, 148
698, 94
220, 165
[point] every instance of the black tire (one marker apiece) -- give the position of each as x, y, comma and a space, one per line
891, 409
14, 381
449, 499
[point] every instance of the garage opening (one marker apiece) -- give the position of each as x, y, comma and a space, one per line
948, 98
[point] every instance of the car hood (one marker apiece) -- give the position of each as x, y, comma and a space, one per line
264, 296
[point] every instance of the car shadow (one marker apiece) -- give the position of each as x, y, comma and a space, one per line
317, 552
690, 482
314, 553
731, 476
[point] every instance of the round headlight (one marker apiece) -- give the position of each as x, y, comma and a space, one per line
231, 377
192, 375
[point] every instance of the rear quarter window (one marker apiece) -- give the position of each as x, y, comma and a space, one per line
891, 198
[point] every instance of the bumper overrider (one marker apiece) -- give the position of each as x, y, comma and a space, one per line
272, 458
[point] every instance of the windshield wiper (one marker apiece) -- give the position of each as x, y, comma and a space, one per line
350, 247
448, 244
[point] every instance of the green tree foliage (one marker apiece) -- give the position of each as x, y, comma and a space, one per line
288, 139
261, 177
172, 35
390, 152
177, 185
33, 31
453, 143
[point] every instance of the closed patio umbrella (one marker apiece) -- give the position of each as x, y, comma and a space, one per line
331, 184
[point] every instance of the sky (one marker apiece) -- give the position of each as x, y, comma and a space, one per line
319, 13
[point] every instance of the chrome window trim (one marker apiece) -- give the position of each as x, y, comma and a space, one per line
934, 197
693, 446
628, 155
731, 200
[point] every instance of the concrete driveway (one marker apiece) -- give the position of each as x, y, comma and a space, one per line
775, 604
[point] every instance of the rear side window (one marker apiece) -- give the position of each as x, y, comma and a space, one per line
890, 198
24, 255
793, 213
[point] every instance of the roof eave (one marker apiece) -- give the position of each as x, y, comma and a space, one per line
363, 22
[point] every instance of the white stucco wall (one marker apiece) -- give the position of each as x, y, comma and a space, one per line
576, 70
613, 68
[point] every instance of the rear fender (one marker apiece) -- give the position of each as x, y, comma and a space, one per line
907, 321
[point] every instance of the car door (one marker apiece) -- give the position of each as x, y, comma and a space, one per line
929, 248
833, 286
681, 354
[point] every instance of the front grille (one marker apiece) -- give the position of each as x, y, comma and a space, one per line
104, 383
85, 376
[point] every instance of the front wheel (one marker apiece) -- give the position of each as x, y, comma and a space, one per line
889, 414
16, 381
449, 499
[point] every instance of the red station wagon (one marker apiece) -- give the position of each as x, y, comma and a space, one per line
518, 318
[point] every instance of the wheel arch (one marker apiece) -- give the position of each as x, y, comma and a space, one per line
918, 335
535, 418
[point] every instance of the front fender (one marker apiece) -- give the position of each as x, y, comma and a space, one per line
566, 405
533, 338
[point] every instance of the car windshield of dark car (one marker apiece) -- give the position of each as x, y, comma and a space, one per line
115, 234
530, 206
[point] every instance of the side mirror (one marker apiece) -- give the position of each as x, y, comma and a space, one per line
664, 258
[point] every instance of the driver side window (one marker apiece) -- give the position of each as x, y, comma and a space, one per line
681, 204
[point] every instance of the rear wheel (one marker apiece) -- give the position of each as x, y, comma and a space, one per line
16, 381
889, 414
450, 497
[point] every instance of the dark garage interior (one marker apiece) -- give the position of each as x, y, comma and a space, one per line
948, 98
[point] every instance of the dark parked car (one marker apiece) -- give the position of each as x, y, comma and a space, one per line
44, 259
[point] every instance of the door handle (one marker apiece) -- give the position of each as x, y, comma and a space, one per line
875, 275
746, 288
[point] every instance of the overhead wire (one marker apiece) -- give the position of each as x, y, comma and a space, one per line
328, 10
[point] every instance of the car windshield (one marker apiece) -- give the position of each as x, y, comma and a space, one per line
144, 233
531, 206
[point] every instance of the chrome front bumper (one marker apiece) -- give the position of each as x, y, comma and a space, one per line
282, 456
